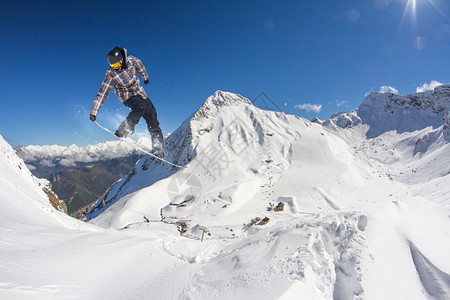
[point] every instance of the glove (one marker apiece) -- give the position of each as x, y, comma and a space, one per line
93, 118
146, 81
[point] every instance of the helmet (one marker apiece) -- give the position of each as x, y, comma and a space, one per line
115, 58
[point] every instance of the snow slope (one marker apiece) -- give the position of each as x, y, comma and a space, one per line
243, 160
411, 141
44, 254
365, 217
405, 139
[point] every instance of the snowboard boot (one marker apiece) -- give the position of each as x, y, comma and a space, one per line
124, 130
157, 143
157, 148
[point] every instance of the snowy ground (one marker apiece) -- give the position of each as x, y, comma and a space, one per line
363, 218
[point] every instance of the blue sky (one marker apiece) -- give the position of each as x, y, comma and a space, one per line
312, 58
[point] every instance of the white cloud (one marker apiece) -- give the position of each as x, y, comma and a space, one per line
340, 103
31, 167
66, 162
388, 89
47, 163
428, 86
308, 107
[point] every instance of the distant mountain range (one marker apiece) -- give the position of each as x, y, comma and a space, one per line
384, 112
80, 175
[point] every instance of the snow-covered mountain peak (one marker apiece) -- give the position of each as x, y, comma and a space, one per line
410, 133
385, 112
221, 98
212, 106
181, 145
435, 101
226, 129
441, 91
214, 102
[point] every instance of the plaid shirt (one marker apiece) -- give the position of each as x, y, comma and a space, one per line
125, 83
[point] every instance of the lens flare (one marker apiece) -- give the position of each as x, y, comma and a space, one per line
410, 10
410, 6
439, 10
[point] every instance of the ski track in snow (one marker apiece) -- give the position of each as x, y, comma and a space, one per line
435, 282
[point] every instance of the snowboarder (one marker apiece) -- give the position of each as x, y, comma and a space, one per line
122, 76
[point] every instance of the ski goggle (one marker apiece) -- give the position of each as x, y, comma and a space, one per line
116, 65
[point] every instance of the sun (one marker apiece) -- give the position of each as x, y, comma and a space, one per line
410, 11
411, 6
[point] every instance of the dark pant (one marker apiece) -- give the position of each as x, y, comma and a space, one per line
141, 107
